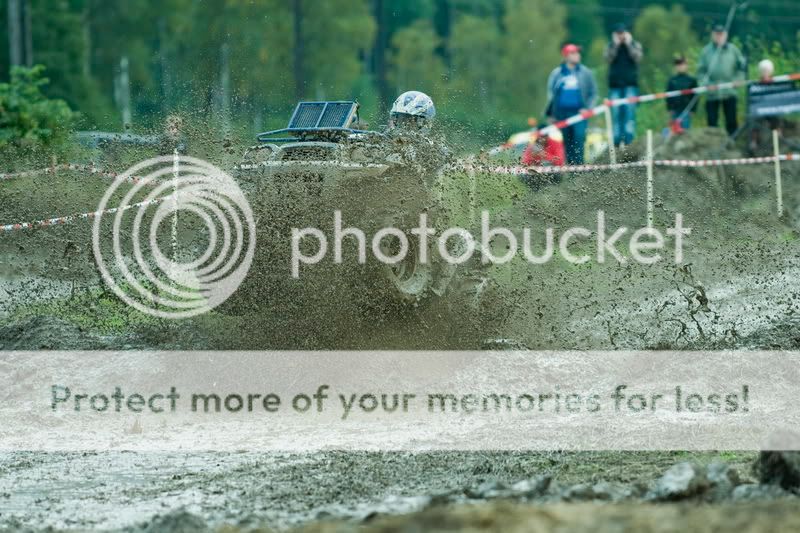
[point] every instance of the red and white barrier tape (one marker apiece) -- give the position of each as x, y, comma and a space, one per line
698, 90
57, 221
523, 170
91, 169
514, 171
50, 170
723, 162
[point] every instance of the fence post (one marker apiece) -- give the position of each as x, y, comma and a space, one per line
473, 194
612, 150
174, 233
649, 178
776, 146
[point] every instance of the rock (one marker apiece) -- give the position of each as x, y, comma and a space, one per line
448, 497
488, 490
779, 468
681, 481
601, 491
175, 522
393, 505
532, 488
723, 479
751, 492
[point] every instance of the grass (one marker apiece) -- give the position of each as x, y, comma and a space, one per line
96, 310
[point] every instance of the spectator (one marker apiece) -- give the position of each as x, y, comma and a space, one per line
764, 88
623, 55
721, 62
545, 150
571, 89
681, 107
765, 83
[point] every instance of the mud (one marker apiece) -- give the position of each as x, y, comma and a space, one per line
173, 492
40, 489
738, 288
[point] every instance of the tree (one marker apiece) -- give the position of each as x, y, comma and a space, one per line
340, 34
27, 117
534, 33
414, 63
663, 34
298, 47
584, 24
475, 48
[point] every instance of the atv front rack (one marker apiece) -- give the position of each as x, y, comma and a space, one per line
318, 121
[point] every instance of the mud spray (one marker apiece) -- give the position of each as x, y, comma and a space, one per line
738, 287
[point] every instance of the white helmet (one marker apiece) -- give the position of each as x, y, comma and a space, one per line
414, 104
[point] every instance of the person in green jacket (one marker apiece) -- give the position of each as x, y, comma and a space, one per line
721, 62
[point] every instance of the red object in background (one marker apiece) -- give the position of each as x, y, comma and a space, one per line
548, 150
676, 127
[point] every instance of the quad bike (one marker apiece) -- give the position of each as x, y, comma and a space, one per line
322, 162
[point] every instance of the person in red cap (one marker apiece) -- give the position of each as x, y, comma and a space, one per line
571, 89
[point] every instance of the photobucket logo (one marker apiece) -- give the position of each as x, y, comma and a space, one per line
184, 281
645, 245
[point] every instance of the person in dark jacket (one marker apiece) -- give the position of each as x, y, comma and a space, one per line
681, 107
623, 55
571, 89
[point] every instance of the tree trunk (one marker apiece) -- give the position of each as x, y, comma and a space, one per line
87, 40
27, 29
379, 57
225, 87
125, 93
166, 78
299, 51
15, 42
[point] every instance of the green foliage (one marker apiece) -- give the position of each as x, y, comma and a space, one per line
27, 117
337, 33
663, 34
534, 32
475, 45
484, 61
415, 64
584, 25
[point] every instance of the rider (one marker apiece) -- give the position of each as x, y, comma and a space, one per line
412, 110
410, 121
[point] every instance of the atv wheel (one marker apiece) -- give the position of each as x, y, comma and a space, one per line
410, 277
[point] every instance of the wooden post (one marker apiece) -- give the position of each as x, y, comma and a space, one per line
649, 178
776, 146
612, 150
176, 172
473, 194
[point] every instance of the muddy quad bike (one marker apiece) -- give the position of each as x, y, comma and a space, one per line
298, 177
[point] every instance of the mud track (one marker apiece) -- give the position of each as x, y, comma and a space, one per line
741, 290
